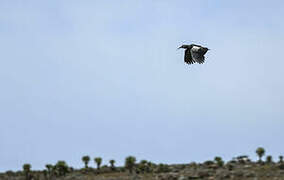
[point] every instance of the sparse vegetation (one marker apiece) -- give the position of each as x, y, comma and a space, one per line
163, 168
240, 167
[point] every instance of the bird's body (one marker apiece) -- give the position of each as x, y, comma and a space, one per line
194, 53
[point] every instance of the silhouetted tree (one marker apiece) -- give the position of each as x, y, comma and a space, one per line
280, 159
112, 164
61, 168
98, 161
151, 166
49, 168
86, 160
143, 166
260, 152
27, 167
27, 171
219, 161
130, 163
269, 159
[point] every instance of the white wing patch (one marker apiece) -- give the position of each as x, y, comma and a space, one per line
195, 48
196, 56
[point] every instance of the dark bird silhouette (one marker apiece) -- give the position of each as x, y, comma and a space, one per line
194, 53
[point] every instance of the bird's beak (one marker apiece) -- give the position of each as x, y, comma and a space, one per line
178, 48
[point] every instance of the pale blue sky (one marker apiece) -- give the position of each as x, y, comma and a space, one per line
103, 78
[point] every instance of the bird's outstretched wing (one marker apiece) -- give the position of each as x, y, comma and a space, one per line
197, 55
188, 57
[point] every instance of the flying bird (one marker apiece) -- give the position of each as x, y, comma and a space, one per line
194, 53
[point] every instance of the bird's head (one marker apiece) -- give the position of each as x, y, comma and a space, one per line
184, 46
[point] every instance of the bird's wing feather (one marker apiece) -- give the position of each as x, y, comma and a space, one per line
196, 55
188, 57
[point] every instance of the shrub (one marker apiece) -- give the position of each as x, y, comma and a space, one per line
49, 168
151, 166
143, 166
219, 161
208, 163
280, 159
242, 159
61, 168
130, 163
269, 159
10, 173
27, 169
163, 168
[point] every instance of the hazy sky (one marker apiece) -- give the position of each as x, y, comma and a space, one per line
104, 78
